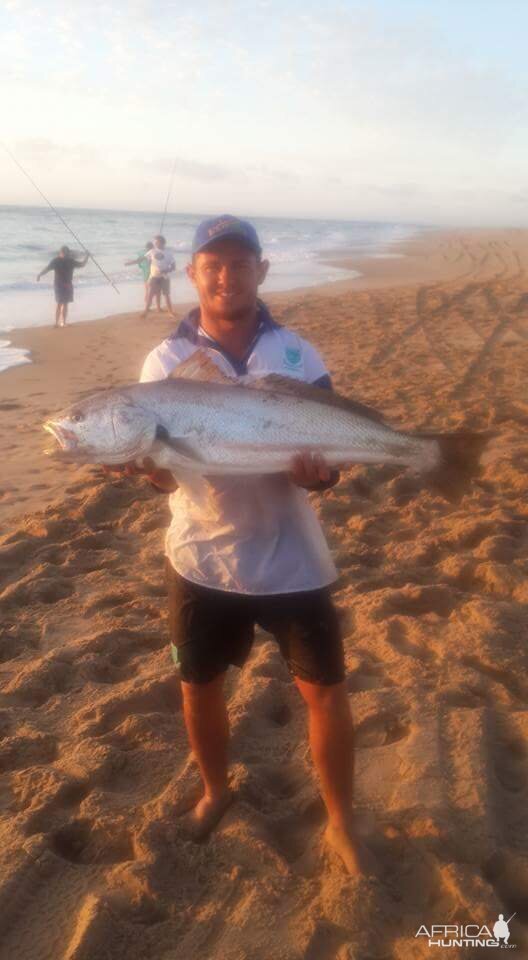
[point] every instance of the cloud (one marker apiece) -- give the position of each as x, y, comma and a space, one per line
394, 73
284, 101
396, 190
182, 167
15, 54
277, 174
40, 150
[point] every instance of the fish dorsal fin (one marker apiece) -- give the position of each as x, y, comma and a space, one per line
199, 366
276, 383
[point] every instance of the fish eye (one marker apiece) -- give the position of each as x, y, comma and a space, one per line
77, 417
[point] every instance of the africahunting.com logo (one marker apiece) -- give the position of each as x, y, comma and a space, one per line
469, 934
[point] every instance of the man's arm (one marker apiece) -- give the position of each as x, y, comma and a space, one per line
45, 271
134, 263
82, 263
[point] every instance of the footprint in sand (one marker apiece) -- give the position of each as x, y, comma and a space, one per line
10, 649
44, 590
514, 685
36, 682
368, 675
152, 696
278, 781
511, 766
506, 872
85, 842
28, 747
107, 602
280, 714
381, 730
94, 667
397, 637
416, 601
290, 835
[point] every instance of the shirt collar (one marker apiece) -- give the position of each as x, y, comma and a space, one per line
190, 329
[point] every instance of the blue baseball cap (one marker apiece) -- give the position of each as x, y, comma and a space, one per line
222, 228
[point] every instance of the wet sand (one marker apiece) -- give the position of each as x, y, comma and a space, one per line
96, 862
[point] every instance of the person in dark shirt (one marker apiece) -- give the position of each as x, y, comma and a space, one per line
63, 265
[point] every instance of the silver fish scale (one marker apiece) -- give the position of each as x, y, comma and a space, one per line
244, 430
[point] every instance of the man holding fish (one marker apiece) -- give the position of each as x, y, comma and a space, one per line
249, 549
236, 419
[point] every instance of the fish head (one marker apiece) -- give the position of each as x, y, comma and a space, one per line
107, 428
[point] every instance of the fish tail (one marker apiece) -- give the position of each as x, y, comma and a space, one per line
459, 462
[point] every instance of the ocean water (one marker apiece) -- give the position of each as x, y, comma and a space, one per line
31, 236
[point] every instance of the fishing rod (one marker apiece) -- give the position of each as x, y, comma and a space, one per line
168, 196
50, 205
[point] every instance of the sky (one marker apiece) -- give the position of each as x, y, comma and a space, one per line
406, 110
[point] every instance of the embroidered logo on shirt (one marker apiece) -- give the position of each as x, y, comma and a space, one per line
292, 357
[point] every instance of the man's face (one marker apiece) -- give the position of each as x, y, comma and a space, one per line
227, 276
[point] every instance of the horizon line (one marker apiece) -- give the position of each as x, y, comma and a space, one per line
188, 213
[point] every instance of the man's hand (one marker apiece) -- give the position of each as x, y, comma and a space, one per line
311, 471
162, 479
130, 469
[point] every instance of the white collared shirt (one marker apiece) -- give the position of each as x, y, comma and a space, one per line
251, 535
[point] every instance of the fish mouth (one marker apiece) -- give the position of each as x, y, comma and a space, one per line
66, 439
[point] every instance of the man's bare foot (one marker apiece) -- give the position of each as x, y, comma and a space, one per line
358, 860
207, 814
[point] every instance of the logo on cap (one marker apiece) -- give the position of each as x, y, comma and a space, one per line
224, 226
234, 226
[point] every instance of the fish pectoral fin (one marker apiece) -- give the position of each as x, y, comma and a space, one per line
180, 445
199, 366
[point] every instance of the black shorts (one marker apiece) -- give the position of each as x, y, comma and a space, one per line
64, 292
211, 629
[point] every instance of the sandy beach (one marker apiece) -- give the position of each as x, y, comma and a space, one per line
95, 860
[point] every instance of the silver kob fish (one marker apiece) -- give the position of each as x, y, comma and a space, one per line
202, 421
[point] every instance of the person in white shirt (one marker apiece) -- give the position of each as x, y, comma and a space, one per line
162, 264
250, 550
